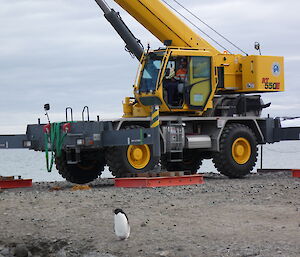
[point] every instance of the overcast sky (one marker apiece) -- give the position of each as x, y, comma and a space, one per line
64, 52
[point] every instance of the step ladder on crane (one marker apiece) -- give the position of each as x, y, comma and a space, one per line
175, 141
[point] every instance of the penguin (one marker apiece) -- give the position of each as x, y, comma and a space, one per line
122, 228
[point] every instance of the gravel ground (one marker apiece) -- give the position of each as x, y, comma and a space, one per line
255, 216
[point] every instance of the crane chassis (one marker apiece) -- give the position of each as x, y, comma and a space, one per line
130, 146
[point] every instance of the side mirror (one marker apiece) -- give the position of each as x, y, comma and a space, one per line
46, 107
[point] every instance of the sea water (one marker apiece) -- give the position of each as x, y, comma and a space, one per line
30, 164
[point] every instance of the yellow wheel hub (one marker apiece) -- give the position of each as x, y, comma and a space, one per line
241, 150
138, 156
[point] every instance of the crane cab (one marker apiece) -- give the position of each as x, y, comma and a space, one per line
178, 80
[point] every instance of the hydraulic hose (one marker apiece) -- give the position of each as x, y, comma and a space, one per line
55, 139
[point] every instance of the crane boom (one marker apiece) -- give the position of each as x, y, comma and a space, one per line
164, 24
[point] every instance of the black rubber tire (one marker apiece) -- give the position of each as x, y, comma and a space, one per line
116, 158
119, 166
82, 173
192, 161
224, 161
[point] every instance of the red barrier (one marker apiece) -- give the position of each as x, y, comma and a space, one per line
15, 183
296, 173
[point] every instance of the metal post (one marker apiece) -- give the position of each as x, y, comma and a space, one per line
261, 157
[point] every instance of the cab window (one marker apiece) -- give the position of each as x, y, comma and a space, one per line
201, 67
199, 89
150, 75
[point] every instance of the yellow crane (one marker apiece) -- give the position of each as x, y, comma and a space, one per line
190, 78
191, 102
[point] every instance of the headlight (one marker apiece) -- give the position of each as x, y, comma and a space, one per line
80, 141
27, 143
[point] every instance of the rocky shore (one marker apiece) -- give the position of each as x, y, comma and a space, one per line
255, 216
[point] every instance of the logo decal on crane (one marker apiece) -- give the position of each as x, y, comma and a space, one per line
270, 85
276, 69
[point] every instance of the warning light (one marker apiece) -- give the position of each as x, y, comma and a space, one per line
66, 127
47, 128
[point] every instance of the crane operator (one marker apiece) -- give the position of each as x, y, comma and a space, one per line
174, 81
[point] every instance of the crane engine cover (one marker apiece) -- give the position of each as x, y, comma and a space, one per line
262, 74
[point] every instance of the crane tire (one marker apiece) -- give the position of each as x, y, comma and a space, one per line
192, 161
82, 173
120, 166
237, 155
124, 161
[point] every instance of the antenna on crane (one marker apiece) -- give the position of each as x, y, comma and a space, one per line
148, 47
257, 47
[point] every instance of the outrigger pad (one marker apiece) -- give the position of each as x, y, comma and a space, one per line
159, 181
